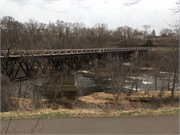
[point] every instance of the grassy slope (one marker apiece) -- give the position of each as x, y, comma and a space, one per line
64, 113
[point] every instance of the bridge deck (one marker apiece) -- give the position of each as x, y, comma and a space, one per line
55, 52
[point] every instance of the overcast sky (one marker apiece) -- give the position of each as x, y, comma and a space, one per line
115, 13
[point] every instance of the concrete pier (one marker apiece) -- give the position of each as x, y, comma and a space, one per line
60, 86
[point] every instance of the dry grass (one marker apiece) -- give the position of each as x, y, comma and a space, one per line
50, 113
96, 105
155, 93
101, 97
27, 103
105, 100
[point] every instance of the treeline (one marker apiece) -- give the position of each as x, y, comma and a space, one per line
32, 35
58, 35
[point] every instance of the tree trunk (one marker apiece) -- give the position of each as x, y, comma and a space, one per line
172, 93
168, 82
136, 86
174, 82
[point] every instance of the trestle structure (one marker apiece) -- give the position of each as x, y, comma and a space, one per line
25, 64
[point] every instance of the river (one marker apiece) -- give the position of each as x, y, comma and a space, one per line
88, 85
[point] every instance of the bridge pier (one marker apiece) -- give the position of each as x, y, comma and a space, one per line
61, 86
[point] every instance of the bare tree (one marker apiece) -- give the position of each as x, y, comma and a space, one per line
11, 37
11, 32
146, 27
164, 60
171, 65
176, 9
127, 36
33, 35
166, 33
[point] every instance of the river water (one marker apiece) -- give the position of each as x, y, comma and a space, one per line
88, 85
99, 84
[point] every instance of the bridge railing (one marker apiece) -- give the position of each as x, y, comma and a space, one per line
54, 52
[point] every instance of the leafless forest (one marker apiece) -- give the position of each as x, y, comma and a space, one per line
32, 35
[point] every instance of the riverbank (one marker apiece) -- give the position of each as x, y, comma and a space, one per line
143, 96
97, 105
66, 113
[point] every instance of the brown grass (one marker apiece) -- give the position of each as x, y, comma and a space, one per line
50, 113
27, 103
95, 105
101, 97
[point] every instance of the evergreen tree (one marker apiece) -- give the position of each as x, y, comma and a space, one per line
153, 34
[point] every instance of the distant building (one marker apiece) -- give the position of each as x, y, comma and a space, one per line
111, 34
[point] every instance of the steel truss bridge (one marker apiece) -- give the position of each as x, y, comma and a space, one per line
25, 64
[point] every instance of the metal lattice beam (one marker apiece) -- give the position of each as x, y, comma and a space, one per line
24, 53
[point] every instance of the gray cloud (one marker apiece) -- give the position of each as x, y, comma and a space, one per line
62, 12
84, 7
105, 2
132, 3
20, 2
90, 12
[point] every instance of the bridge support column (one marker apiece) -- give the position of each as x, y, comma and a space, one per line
59, 87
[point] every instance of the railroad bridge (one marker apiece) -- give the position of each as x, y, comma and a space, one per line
24, 64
